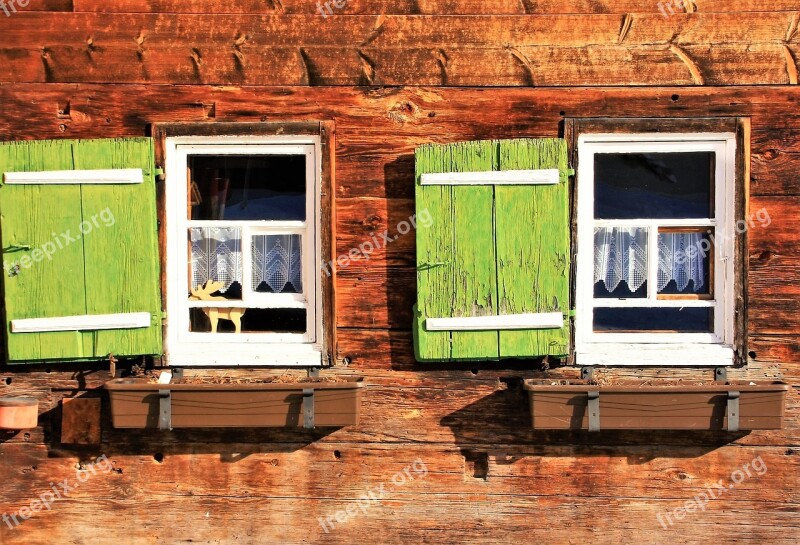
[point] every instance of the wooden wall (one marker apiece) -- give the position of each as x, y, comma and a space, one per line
489, 478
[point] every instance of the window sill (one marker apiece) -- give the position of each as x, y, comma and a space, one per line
660, 355
244, 356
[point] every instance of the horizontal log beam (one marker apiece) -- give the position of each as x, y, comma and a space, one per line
446, 7
299, 50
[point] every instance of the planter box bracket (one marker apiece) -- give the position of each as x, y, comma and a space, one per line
308, 408
165, 410
733, 411
593, 408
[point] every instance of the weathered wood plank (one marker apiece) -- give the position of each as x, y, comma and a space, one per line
425, 7
396, 519
532, 235
407, 32
526, 66
37, 5
440, 470
472, 257
28, 224
412, 116
193, 498
709, 49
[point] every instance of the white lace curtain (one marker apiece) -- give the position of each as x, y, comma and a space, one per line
217, 255
277, 260
620, 255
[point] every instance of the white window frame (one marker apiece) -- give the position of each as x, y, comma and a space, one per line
186, 348
664, 349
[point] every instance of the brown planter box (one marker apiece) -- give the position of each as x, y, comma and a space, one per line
666, 407
138, 404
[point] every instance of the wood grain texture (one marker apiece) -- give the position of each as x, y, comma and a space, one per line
426, 7
38, 218
80, 421
120, 245
535, 50
469, 262
532, 235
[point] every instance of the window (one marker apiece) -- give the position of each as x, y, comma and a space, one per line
244, 250
656, 249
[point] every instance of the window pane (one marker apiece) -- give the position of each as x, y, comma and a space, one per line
653, 185
684, 263
620, 262
252, 320
216, 263
277, 264
682, 320
248, 188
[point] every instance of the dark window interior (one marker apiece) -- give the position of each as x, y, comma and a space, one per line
255, 320
654, 185
248, 188
682, 320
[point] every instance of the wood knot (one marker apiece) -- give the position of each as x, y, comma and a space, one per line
404, 111
765, 257
140, 45
372, 222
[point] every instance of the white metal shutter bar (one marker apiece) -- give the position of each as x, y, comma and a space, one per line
95, 322
76, 177
504, 177
542, 320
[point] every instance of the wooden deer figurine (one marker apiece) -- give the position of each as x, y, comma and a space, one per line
203, 293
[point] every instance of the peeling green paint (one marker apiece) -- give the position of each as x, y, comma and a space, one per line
112, 269
502, 250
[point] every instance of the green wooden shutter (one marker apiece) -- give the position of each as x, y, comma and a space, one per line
73, 251
492, 250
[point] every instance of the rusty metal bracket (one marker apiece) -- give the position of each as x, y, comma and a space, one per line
733, 410
308, 408
593, 407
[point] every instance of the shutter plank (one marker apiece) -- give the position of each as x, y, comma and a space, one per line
121, 250
434, 257
533, 247
475, 278
44, 218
